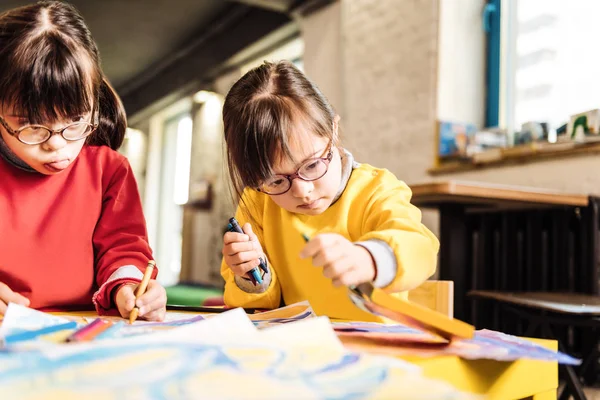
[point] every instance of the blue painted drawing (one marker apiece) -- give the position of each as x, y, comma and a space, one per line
193, 370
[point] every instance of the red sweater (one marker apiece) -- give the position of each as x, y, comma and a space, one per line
65, 237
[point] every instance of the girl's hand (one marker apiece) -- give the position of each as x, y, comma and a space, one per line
152, 304
8, 296
242, 251
345, 263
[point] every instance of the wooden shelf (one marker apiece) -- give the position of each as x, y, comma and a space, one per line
523, 155
478, 194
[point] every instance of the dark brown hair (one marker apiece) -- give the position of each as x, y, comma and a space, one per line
50, 69
260, 115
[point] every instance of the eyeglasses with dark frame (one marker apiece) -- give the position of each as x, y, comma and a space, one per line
38, 134
310, 170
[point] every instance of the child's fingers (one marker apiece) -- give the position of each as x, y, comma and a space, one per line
126, 297
156, 315
3, 307
154, 305
348, 278
318, 243
338, 268
243, 257
155, 292
237, 247
242, 252
232, 237
328, 256
242, 269
20, 299
247, 228
8, 296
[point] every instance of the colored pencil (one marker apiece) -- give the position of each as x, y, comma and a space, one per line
141, 289
89, 331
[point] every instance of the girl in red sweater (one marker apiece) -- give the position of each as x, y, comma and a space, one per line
71, 220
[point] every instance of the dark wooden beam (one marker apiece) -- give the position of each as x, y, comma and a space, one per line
306, 7
236, 29
290, 7
282, 6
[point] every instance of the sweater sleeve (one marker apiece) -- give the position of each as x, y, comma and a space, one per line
267, 295
392, 219
121, 248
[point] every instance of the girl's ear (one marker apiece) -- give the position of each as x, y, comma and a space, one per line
336, 121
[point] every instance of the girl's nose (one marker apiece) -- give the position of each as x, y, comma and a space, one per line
301, 188
56, 142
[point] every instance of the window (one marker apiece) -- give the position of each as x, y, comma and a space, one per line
174, 189
542, 61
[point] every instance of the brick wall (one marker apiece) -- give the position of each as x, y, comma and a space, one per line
390, 71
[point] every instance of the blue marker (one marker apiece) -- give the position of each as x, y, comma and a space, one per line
234, 226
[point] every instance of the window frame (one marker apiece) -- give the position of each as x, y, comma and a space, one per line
492, 26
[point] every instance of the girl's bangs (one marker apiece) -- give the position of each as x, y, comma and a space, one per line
47, 81
272, 123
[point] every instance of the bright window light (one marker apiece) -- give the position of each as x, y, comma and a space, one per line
182, 161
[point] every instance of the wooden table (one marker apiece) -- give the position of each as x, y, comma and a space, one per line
455, 200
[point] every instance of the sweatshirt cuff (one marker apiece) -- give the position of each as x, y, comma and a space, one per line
247, 286
102, 299
386, 266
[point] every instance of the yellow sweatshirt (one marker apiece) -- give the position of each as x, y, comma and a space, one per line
374, 205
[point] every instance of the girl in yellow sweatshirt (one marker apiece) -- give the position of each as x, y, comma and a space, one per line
293, 178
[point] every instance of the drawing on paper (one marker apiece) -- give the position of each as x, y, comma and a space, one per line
203, 359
